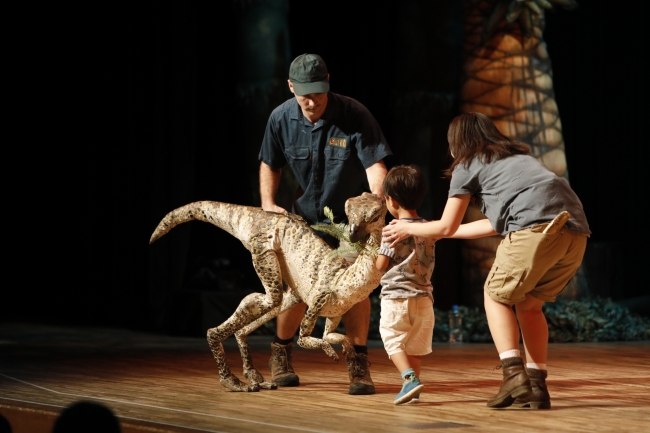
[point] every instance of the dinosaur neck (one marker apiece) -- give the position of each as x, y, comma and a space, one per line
374, 242
368, 255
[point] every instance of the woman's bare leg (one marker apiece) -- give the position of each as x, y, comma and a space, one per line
534, 329
503, 324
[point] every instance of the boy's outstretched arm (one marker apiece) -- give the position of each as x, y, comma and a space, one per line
382, 262
476, 229
383, 257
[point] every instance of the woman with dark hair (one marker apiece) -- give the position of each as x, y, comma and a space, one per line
539, 255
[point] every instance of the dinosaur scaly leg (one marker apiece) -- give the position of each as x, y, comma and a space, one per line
227, 379
288, 300
254, 310
249, 309
250, 373
333, 337
307, 326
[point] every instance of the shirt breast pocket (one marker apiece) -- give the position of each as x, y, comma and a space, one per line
336, 158
299, 160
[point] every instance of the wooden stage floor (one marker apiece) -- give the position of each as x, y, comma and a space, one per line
159, 383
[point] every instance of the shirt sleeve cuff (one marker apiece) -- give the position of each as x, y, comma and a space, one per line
385, 251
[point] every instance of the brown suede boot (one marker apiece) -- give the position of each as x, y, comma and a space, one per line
282, 373
540, 398
515, 383
360, 381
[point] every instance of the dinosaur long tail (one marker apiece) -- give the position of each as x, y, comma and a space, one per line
233, 218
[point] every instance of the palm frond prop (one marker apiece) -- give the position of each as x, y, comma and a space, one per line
522, 10
342, 232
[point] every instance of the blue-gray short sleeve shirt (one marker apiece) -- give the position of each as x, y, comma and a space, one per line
518, 192
329, 159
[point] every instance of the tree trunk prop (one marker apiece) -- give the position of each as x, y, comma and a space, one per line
507, 76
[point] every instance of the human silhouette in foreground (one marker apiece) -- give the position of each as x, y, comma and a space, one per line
86, 417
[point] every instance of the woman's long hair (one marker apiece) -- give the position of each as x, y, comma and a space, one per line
472, 135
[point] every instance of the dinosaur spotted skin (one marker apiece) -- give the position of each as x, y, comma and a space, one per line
285, 249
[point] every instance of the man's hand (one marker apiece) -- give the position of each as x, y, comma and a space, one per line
275, 208
269, 182
376, 174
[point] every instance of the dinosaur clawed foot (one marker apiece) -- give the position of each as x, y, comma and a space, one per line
234, 384
255, 378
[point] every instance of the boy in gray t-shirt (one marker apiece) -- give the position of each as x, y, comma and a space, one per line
406, 324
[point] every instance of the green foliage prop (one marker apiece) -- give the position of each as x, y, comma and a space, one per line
592, 320
475, 326
342, 232
589, 320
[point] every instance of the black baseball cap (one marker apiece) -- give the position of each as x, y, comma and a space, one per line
308, 74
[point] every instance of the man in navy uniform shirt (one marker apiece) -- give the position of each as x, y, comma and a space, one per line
335, 149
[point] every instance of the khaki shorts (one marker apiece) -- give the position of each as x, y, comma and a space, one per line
406, 325
529, 261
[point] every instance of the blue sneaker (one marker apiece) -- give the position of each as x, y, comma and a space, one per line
410, 388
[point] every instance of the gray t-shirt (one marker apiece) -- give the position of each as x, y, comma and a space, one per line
518, 192
410, 268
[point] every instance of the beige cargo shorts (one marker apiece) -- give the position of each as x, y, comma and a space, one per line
529, 261
406, 325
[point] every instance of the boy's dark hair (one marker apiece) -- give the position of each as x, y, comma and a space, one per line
405, 184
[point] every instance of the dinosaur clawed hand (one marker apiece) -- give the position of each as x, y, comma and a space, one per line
315, 343
336, 338
327, 348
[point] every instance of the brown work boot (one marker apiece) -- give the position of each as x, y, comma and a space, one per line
540, 398
280, 365
360, 381
515, 383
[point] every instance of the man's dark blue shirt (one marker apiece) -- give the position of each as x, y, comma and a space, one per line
329, 159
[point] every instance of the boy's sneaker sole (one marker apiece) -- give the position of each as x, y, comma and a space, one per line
409, 395
414, 400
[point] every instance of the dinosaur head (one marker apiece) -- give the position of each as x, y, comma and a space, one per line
366, 214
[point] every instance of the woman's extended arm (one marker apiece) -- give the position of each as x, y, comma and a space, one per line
473, 230
443, 228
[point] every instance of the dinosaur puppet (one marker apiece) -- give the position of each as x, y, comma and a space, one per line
286, 250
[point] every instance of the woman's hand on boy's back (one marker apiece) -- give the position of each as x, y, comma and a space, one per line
395, 231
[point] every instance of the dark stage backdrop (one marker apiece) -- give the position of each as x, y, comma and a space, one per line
169, 102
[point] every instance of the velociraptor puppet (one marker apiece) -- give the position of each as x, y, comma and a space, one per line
286, 249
